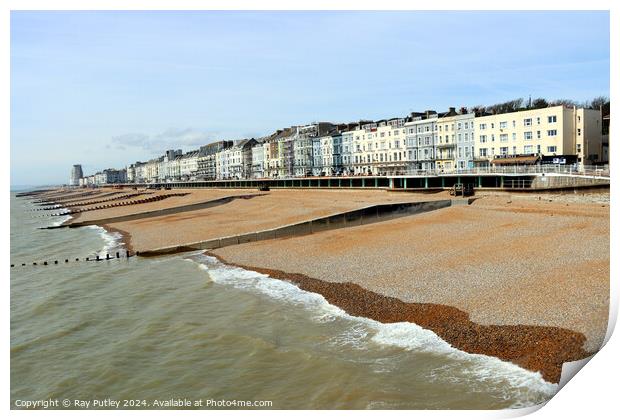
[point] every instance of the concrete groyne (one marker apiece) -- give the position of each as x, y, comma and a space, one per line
362, 216
162, 212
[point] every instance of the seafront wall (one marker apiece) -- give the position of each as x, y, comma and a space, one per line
365, 215
422, 183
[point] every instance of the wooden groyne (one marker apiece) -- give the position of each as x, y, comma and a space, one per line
123, 203
160, 212
96, 258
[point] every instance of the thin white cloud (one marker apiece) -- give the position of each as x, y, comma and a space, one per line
172, 138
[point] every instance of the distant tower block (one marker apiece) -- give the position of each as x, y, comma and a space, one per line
76, 174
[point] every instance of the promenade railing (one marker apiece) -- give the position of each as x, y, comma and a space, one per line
583, 170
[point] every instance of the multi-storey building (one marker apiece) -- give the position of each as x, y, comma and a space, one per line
302, 146
151, 170
330, 153
107, 176
188, 165
279, 153
206, 161
347, 148
302, 150
240, 159
317, 157
131, 173
223, 160
258, 159
362, 147
563, 133
455, 141
169, 166
76, 174
421, 137
286, 152
389, 155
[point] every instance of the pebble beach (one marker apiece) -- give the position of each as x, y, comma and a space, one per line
523, 277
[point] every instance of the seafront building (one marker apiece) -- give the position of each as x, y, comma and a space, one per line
258, 159
455, 141
428, 141
421, 137
559, 134
76, 175
240, 165
207, 166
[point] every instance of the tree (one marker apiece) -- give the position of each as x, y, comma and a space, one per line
599, 102
508, 106
565, 102
540, 103
477, 109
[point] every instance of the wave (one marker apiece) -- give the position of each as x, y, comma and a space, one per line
528, 385
112, 240
62, 219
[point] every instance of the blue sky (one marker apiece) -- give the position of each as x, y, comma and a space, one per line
105, 89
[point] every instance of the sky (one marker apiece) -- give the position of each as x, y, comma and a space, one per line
105, 89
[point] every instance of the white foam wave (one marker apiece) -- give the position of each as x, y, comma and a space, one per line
62, 219
112, 240
405, 335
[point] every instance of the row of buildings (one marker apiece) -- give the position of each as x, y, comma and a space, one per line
107, 176
422, 141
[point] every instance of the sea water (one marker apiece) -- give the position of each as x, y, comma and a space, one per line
187, 327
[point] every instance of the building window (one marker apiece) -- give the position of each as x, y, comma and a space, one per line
514, 136
514, 150
483, 126
552, 149
538, 120
483, 152
579, 131
527, 122
503, 124
503, 137
538, 134
552, 119
579, 148
528, 149
527, 135
483, 138
552, 133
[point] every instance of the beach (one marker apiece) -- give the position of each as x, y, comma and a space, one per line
523, 277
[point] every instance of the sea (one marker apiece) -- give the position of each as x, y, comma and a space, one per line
186, 331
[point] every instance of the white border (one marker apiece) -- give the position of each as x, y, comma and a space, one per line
591, 393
